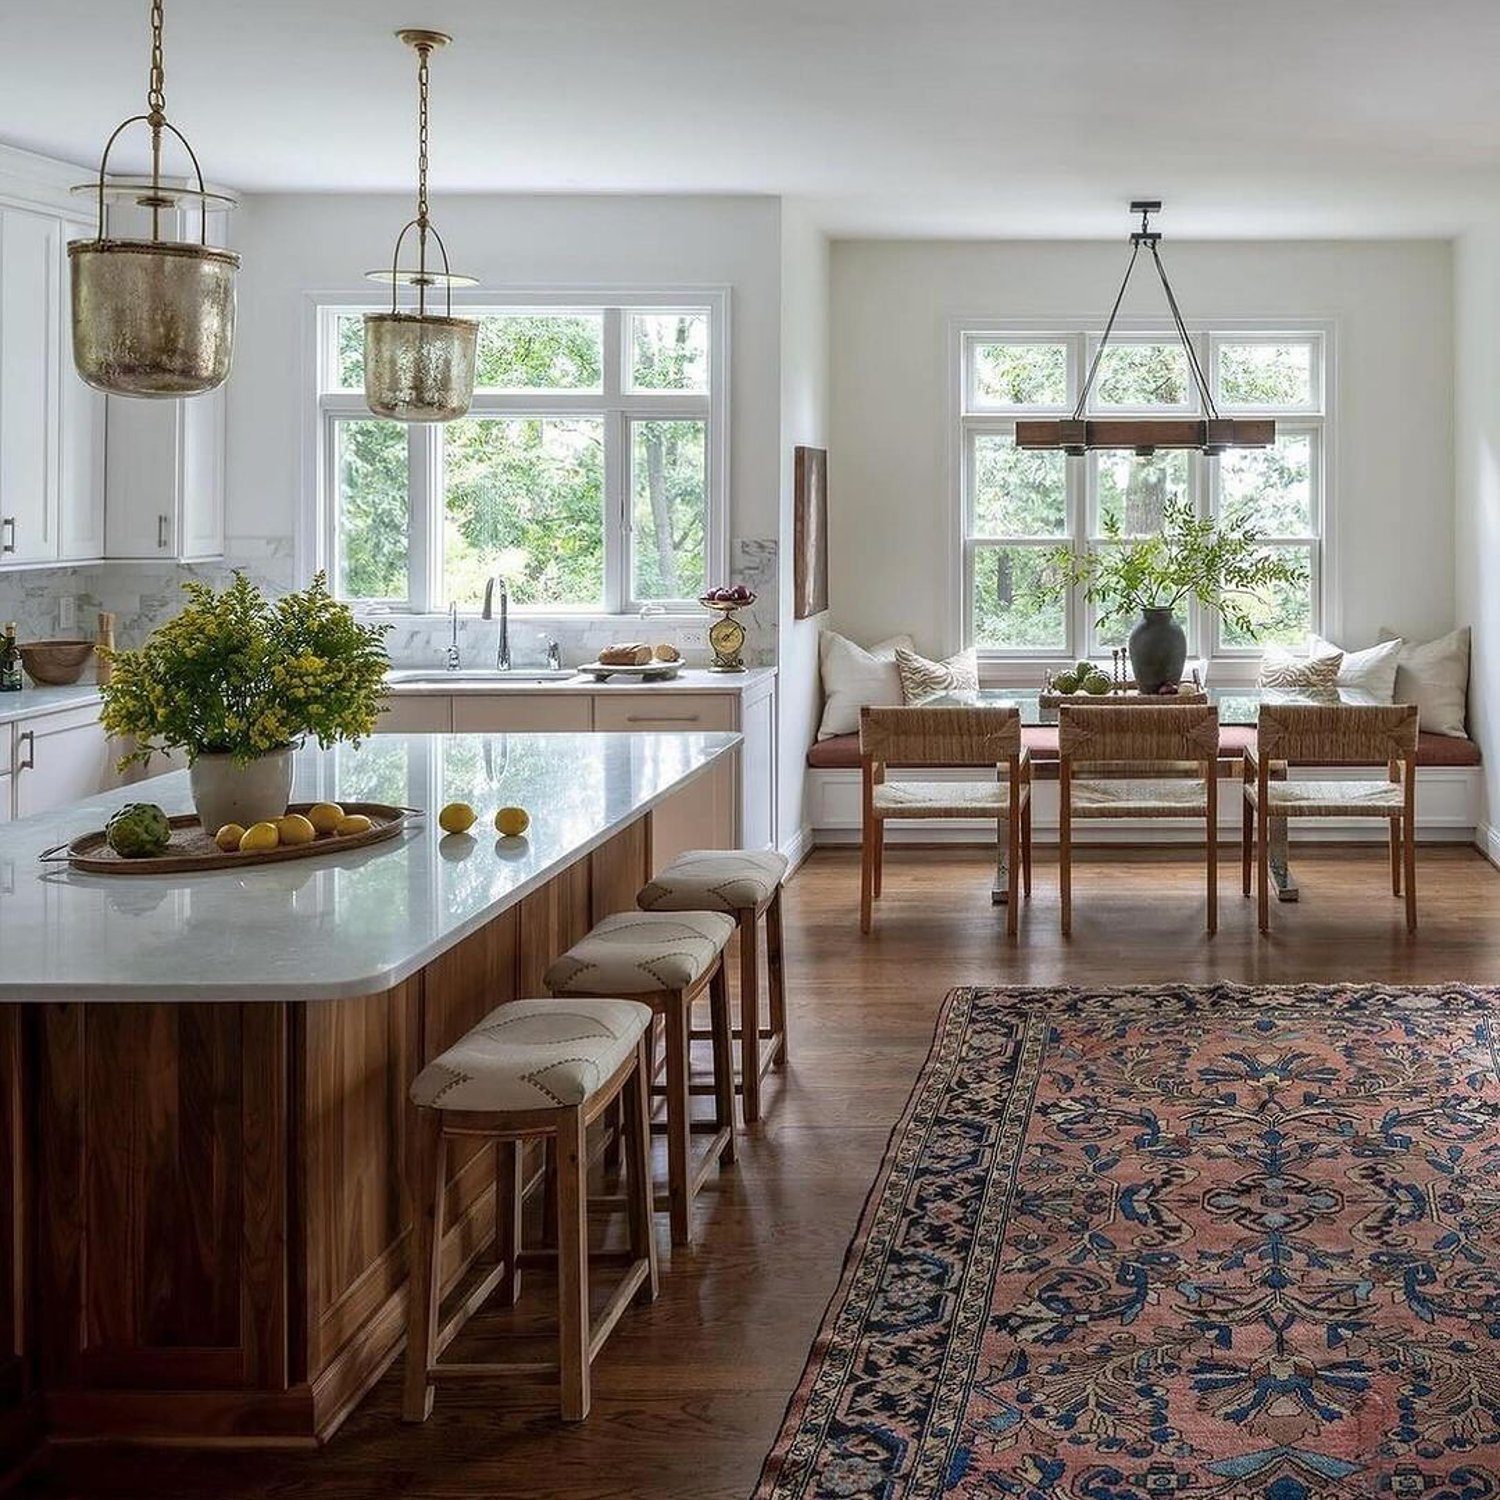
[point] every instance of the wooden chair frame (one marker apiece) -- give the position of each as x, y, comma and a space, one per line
917, 737
1331, 735
1138, 741
579, 1341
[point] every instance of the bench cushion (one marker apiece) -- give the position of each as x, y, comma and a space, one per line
641, 952
533, 1054
716, 879
842, 751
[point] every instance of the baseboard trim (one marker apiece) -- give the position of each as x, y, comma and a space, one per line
1487, 841
798, 847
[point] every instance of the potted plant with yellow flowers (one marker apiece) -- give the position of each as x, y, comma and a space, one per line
236, 681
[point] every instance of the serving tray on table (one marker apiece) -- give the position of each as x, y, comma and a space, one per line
191, 848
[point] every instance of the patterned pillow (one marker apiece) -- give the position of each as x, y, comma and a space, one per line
1284, 672
922, 679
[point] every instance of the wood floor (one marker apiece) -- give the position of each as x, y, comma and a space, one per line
689, 1393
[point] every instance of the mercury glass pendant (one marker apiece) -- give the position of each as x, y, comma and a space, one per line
155, 317
419, 366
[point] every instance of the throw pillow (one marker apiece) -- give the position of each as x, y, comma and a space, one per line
1371, 671
853, 677
922, 679
1435, 676
1284, 672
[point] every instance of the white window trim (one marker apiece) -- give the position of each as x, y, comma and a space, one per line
1231, 663
619, 403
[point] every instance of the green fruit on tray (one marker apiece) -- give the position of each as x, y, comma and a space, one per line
138, 831
1097, 684
1065, 682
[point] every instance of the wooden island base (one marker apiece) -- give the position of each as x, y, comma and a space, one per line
207, 1231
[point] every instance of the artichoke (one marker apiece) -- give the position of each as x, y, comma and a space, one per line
1096, 684
138, 831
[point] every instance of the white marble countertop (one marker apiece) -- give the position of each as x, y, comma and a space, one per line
333, 925
46, 700
690, 680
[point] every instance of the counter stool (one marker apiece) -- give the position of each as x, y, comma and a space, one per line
746, 883
533, 1069
667, 960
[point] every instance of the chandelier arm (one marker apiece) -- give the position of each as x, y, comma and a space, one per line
1114, 312
396, 259
1199, 378
447, 269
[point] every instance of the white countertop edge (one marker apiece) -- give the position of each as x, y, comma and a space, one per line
376, 982
690, 680
35, 702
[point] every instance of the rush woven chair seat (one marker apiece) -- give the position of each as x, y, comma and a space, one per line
1327, 735
531, 1070
917, 737
1137, 761
745, 883
667, 960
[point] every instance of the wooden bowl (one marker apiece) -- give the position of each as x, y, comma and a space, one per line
56, 663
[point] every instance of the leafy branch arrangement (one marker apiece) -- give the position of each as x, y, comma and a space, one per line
1193, 556
237, 674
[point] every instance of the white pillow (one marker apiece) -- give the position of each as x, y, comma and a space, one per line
922, 679
853, 677
1435, 676
1284, 671
1371, 671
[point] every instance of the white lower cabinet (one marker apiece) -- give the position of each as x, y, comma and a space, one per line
523, 713
57, 759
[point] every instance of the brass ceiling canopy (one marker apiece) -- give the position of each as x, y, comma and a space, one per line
419, 366
1210, 434
153, 317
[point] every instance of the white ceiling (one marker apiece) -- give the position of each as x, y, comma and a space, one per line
1296, 118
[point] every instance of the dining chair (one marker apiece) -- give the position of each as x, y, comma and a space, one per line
960, 736
1322, 735
1137, 761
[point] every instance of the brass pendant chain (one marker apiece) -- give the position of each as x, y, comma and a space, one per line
423, 53
156, 102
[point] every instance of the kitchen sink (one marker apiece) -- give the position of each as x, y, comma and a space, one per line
437, 676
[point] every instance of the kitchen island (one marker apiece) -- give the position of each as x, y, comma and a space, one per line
203, 1077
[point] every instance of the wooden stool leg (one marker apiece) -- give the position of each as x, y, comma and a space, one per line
1247, 843
1263, 864
1013, 868
679, 1120
1026, 848
776, 976
549, 1194
749, 1016
573, 1264
866, 873
723, 1048
428, 1186
508, 1197
879, 859
1396, 856
1411, 873
637, 1118
1211, 840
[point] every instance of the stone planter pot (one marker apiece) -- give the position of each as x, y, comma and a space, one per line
255, 792
1158, 650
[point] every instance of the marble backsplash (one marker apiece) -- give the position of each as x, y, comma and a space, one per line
143, 594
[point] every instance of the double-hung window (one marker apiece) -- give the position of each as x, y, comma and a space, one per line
590, 473
1017, 506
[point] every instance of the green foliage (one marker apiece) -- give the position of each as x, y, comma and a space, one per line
1258, 374
239, 675
1028, 374
1217, 563
374, 513
1142, 375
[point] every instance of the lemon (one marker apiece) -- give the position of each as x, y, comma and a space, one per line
457, 817
512, 821
325, 817
258, 838
353, 823
295, 829
229, 836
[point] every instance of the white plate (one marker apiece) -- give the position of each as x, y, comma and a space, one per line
662, 670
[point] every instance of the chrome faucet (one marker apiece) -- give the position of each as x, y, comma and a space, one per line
554, 655
502, 648
454, 659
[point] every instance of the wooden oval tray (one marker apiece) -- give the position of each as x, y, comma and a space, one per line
192, 849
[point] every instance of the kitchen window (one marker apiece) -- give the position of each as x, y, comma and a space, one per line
1015, 504
590, 472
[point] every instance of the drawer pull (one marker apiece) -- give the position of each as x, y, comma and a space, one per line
661, 719
161, 532
27, 738
7, 534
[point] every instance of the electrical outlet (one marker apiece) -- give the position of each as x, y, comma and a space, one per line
67, 613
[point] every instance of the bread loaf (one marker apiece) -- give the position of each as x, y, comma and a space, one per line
666, 651
626, 654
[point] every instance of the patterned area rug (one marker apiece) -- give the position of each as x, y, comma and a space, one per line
1206, 1242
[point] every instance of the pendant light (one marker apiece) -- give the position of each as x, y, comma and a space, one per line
1211, 433
419, 366
152, 317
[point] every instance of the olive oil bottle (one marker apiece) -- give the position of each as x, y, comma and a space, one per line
10, 661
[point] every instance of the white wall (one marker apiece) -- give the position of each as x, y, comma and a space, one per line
295, 244
804, 420
891, 533
1476, 307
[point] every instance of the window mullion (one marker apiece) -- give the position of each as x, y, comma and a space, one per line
422, 566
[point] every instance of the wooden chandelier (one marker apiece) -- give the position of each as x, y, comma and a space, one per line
1210, 433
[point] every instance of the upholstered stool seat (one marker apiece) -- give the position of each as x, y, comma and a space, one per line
633, 953
668, 960
746, 883
533, 1070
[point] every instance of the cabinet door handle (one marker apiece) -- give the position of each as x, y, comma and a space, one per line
7, 533
27, 738
661, 719
161, 533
